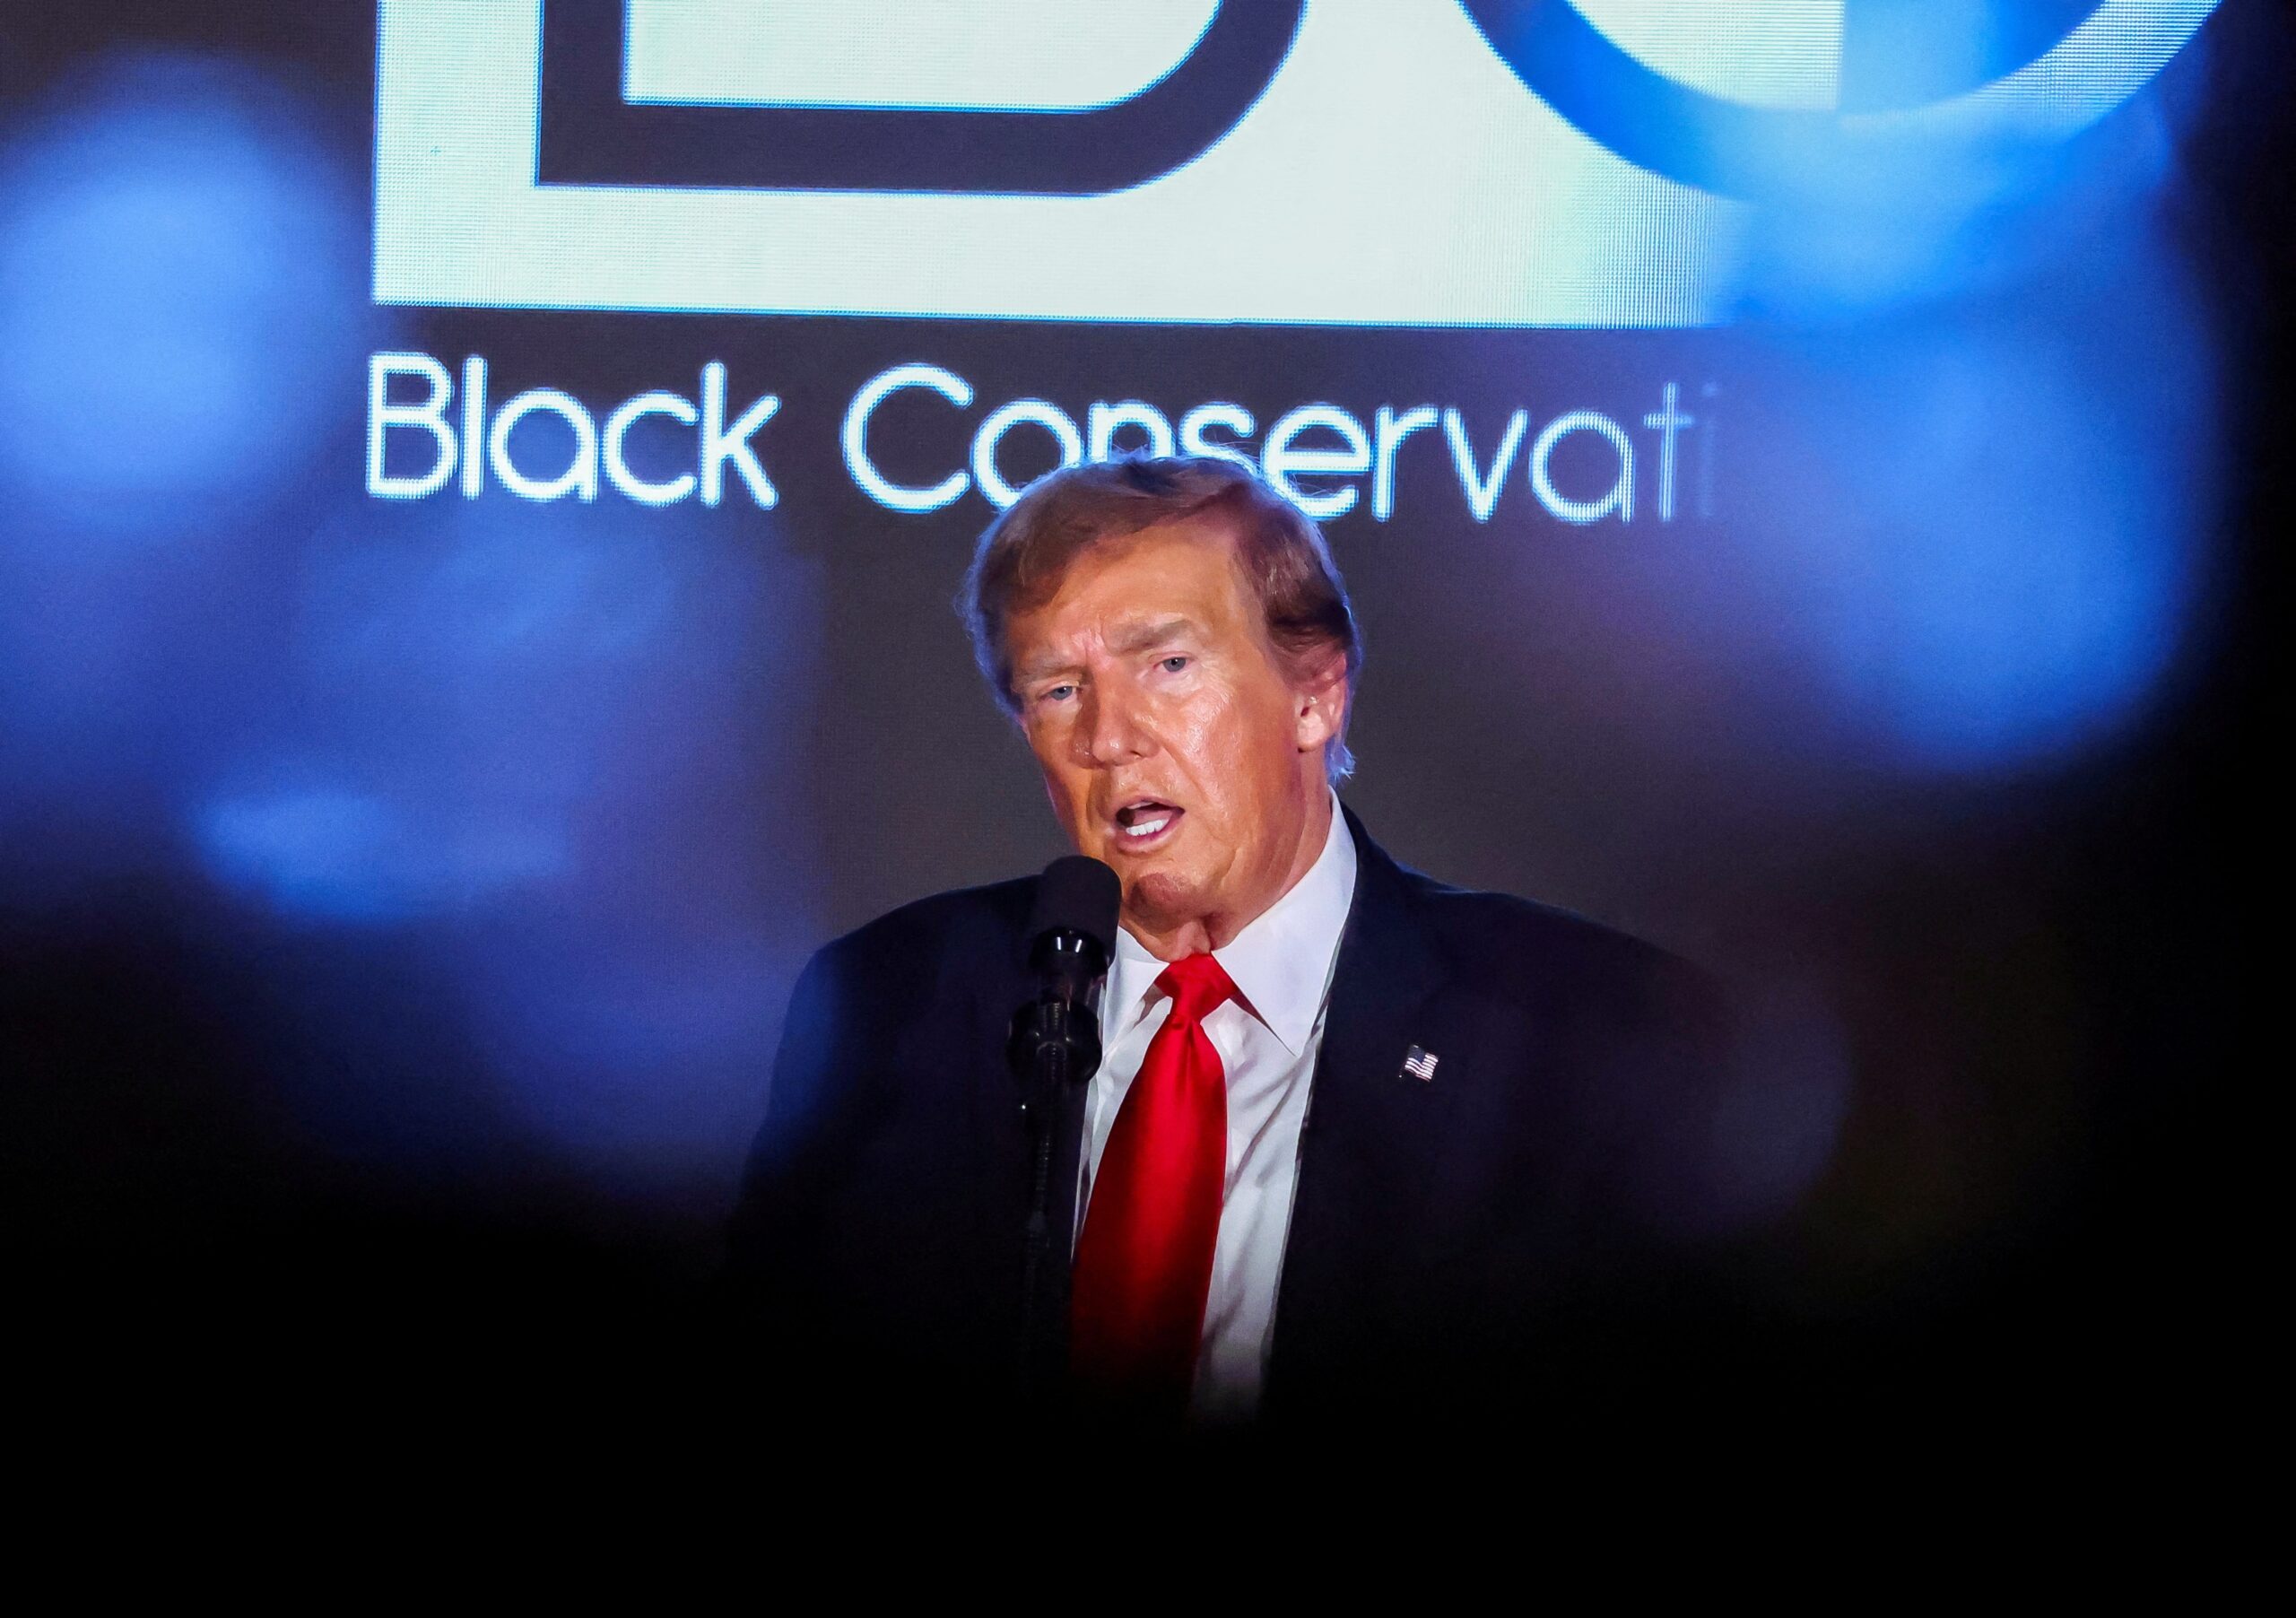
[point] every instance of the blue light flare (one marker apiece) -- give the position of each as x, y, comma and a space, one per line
181, 283
330, 853
557, 752
1977, 536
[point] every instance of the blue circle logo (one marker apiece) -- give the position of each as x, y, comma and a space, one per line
1889, 72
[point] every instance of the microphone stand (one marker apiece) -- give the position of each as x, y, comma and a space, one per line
1055, 1048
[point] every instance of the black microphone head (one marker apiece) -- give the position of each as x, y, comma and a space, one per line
1070, 940
1078, 894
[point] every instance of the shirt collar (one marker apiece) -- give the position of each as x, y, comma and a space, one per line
1281, 961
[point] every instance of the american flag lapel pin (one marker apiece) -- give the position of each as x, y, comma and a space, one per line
1418, 1064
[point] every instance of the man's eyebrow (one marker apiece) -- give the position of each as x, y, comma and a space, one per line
1141, 637
1138, 637
1037, 668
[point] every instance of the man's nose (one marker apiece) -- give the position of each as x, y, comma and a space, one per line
1112, 731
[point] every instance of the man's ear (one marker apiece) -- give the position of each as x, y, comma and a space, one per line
1319, 704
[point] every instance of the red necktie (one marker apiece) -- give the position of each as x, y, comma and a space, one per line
1144, 1262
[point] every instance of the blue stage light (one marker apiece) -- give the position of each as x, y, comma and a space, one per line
557, 755
180, 284
1981, 539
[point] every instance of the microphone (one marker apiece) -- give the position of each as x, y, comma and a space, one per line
1053, 1046
1055, 1035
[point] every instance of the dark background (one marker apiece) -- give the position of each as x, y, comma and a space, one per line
381, 1112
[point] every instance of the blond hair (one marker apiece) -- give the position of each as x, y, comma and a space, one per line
1024, 555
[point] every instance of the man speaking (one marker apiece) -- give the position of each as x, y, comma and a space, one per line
1359, 1146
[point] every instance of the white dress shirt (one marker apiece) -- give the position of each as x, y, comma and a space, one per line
1282, 966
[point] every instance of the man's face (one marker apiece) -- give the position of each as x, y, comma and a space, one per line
1173, 744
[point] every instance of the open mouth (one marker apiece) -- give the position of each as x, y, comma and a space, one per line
1145, 822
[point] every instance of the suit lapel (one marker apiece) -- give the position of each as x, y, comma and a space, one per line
1369, 1152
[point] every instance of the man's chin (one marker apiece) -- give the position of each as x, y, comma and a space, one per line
1159, 899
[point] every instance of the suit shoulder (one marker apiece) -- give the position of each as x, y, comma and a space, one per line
1508, 943
960, 922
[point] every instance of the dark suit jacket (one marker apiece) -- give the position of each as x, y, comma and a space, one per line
1531, 1216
